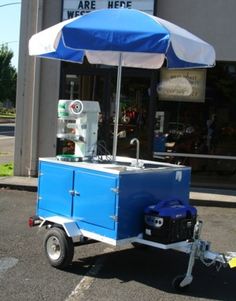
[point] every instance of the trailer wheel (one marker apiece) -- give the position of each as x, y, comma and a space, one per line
176, 283
58, 247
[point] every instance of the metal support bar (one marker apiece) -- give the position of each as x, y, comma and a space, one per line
196, 235
199, 156
117, 108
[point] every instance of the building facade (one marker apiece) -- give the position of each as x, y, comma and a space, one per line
186, 117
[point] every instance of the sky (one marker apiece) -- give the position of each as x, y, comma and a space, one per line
10, 26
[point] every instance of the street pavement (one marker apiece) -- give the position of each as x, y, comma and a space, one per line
100, 272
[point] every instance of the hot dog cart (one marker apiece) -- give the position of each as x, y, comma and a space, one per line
127, 200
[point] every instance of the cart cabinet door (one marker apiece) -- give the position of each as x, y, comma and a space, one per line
55, 184
95, 199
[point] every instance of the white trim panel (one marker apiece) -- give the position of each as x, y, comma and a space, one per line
69, 225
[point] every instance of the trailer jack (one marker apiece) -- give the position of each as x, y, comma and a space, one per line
201, 250
197, 249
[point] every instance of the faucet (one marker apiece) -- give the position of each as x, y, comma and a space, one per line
132, 141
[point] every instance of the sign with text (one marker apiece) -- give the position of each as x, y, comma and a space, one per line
182, 85
75, 8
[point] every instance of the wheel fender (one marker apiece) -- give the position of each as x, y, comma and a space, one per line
69, 225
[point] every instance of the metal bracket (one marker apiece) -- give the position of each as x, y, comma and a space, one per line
74, 193
114, 217
115, 189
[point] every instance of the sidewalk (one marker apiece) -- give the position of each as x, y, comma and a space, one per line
23, 183
213, 197
200, 196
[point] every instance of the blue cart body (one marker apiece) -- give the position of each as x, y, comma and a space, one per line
105, 200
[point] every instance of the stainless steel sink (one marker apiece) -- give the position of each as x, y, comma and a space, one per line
123, 168
127, 166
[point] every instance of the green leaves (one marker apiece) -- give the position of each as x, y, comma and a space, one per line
6, 169
8, 75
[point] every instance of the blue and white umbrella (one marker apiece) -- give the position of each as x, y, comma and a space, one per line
122, 37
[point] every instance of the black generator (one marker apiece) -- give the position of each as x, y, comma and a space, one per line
169, 221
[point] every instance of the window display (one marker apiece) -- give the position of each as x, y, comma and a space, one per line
202, 134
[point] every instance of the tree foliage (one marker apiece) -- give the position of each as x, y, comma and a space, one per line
8, 75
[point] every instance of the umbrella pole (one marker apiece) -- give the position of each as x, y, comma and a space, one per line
117, 108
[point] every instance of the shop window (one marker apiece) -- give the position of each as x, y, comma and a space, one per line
205, 128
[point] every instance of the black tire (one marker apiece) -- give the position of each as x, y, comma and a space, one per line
176, 284
58, 247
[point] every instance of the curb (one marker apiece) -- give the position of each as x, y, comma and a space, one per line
18, 187
207, 203
202, 196
19, 183
7, 120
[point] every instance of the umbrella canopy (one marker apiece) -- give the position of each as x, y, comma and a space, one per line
145, 41
122, 37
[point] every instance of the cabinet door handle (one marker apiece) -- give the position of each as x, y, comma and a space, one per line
74, 193
77, 193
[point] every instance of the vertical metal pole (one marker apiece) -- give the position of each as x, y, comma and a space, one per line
152, 112
117, 108
34, 133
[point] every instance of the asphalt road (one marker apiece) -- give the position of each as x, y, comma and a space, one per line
7, 141
100, 272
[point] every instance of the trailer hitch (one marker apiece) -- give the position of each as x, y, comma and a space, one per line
200, 249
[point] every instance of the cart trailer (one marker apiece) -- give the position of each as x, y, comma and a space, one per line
119, 203
107, 199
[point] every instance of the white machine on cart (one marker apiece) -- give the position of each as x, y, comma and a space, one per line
81, 197
78, 122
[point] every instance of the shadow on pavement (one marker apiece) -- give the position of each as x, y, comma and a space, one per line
157, 268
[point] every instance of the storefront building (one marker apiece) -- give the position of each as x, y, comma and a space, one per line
180, 116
